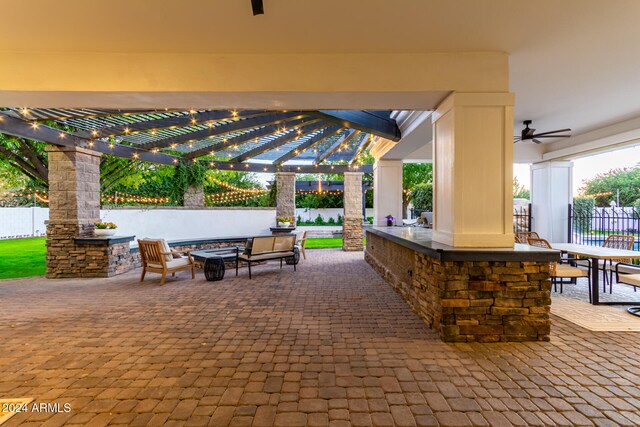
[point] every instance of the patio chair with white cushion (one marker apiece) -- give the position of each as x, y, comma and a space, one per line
562, 271
157, 257
301, 243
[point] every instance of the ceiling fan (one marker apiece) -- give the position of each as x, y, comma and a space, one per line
529, 134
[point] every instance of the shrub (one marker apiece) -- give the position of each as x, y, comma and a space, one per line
583, 213
636, 208
319, 220
339, 219
422, 196
370, 219
331, 221
299, 220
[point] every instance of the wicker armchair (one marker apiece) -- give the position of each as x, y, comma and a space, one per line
157, 257
615, 241
561, 271
523, 236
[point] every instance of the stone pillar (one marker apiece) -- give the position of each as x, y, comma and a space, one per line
352, 233
473, 170
74, 205
551, 193
387, 191
194, 197
286, 195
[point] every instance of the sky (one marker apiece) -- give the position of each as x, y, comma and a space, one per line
588, 167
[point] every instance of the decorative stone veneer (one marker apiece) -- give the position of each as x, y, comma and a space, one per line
352, 233
468, 301
74, 194
194, 197
286, 195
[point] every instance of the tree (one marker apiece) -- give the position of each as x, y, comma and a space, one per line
519, 191
422, 196
412, 175
605, 187
25, 157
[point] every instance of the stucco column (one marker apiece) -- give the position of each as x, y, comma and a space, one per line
473, 170
387, 191
352, 233
74, 204
286, 195
551, 193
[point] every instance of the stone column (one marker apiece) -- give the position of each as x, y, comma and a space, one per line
286, 195
473, 170
74, 204
194, 197
551, 193
387, 191
352, 233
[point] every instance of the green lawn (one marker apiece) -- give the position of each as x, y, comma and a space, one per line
22, 257
324, 242
26, 257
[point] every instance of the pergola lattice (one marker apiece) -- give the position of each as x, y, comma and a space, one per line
244, 140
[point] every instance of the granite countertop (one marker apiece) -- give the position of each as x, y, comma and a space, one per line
419, 239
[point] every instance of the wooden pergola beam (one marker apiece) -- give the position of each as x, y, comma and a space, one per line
223, 129
335, 146
168, 122
316, 139
314, 126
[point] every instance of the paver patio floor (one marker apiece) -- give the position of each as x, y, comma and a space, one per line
331, 343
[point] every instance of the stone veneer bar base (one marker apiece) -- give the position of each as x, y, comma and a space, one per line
468, 301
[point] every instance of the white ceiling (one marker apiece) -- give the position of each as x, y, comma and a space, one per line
574, 63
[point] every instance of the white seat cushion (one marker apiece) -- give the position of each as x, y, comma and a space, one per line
627, 270
568, 271
175, 262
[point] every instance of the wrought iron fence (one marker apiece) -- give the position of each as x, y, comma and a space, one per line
522, 218
594, 226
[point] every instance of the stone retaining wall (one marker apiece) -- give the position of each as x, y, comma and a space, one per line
468, 301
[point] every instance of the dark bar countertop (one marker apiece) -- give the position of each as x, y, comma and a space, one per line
419, 240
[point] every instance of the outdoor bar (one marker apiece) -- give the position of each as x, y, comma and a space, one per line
466, 294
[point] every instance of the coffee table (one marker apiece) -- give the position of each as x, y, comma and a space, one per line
213, 260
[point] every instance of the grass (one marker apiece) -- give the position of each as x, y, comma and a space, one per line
26, 257
324, 242
22, 257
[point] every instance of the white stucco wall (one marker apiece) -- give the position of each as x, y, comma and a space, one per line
162, 222
312, 214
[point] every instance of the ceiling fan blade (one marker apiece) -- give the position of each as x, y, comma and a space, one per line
536, 141
553, 131
516, 139
551, 136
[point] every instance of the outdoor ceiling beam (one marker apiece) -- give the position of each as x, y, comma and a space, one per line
168, 122
316, 139
362, 120
50, 113
246, 137
281, 140
22, 129
271, 168
224, 129
335, 146
361, 147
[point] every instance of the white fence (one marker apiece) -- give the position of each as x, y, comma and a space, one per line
167, 223
312, 214
23, 222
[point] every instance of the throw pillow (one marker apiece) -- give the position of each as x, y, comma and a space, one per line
166, 248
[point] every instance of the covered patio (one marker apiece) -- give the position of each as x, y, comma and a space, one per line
332, 344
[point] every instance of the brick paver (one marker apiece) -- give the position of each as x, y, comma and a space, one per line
331, 344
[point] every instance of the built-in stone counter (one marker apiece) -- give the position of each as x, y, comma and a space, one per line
467, 295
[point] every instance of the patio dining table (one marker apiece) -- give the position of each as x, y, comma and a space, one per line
597, 253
